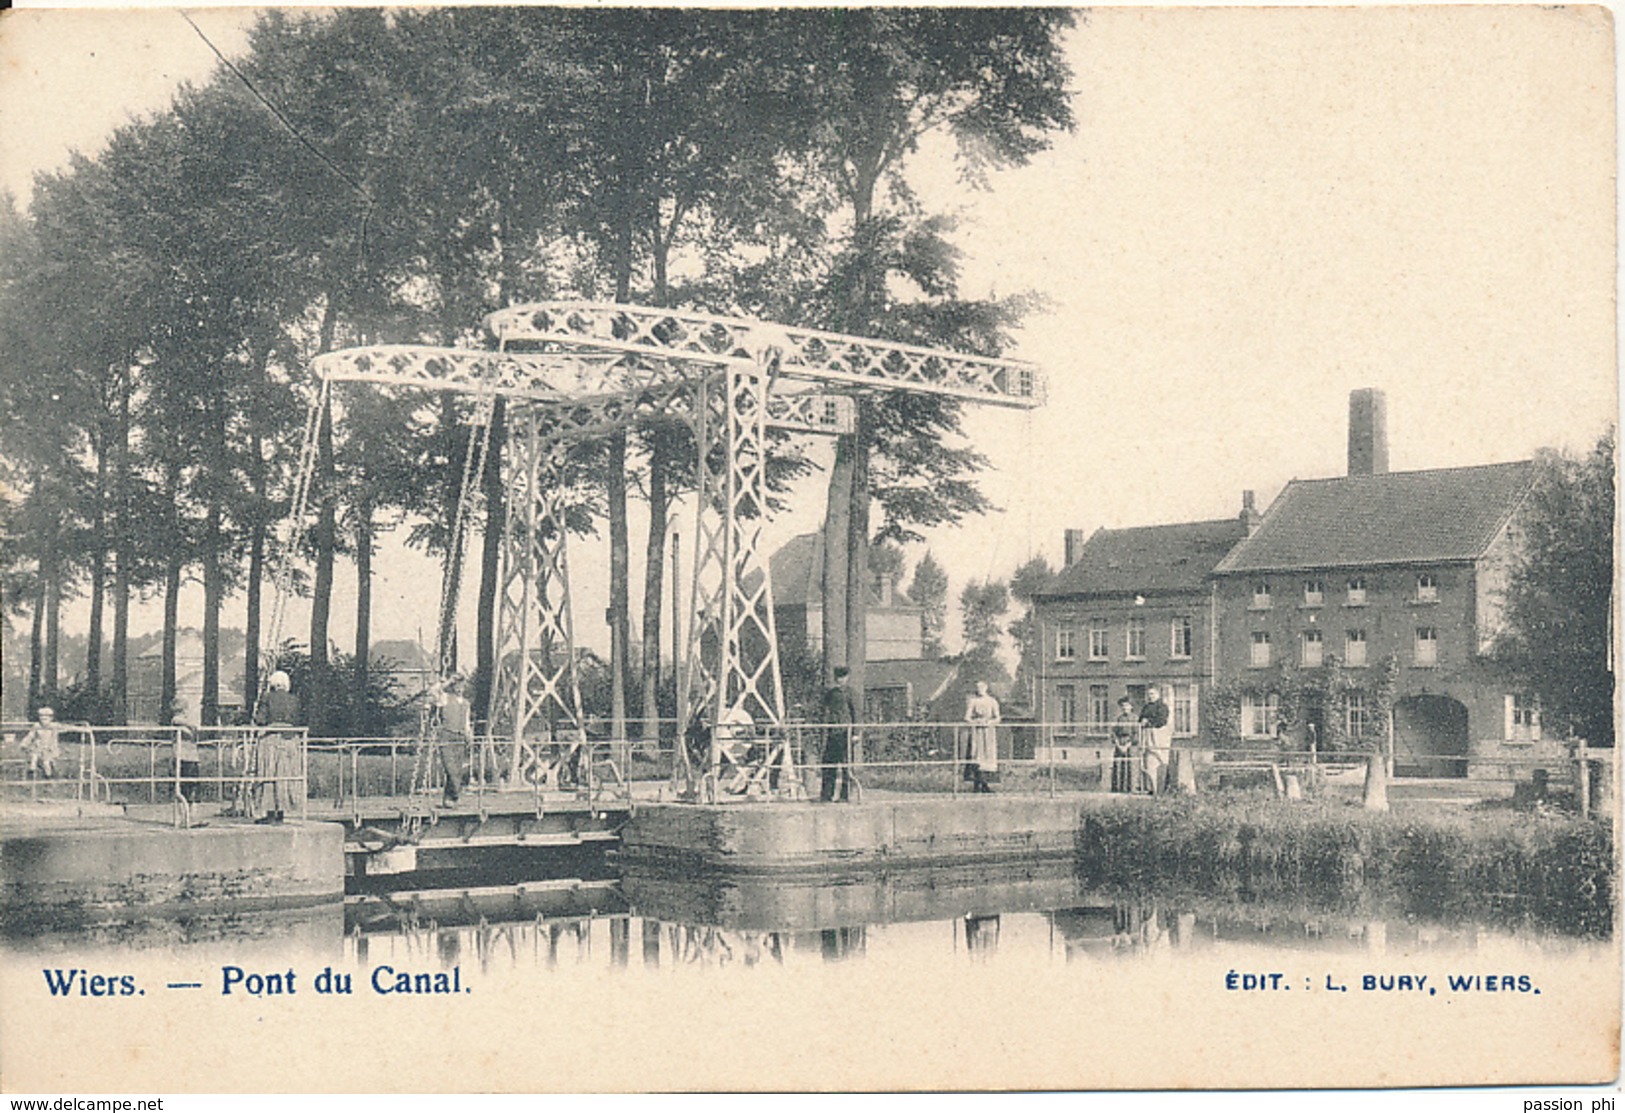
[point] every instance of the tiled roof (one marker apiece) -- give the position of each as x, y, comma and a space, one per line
1147, 558
796, 570
929, 678
798, 567
1414, 517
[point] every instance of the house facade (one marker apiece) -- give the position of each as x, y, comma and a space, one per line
146, 680
1356, 611
1381, 590
1131, 608
895, 623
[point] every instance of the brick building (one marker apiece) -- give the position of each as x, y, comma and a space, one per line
1346, 592
900, 682
1131, 608
1381, 572
895, 623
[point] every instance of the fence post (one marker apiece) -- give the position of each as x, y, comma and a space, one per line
1582, 779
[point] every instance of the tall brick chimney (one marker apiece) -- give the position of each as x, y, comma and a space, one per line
1368, 432
1249, 512
1074, 546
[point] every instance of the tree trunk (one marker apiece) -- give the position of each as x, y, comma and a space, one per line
620, 617
654, 559
832, 584
317, 700
256, 576
36, 650
496, 516
258, 481
53, 627
98, 579
124, 554
361, 717
446, 620
172, 607
857, 557
217, 483
209, 706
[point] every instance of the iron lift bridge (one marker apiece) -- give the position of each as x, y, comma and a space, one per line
574, 371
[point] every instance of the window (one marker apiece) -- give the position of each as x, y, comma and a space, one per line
1427, 588
1100, 707
1259, 714
1099, 635
1065, 649
1261, 596
1261, 649
1314, 592
1354, 648
1313, 644
1356, 591
1184, 706
1523, 718
1134, 640
1357, 717
1427, 645
1182, 636
1066, 698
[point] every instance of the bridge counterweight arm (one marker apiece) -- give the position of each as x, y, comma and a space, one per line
807, 354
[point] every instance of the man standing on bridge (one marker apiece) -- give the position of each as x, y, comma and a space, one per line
837, 715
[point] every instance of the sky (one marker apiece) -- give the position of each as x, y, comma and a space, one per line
1258, 211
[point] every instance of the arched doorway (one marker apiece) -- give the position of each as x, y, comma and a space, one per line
1430, 737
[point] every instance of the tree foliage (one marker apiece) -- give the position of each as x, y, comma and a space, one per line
982, 610
929, 589
1560, 595
364, 175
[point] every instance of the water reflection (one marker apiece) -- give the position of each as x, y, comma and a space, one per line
932, 916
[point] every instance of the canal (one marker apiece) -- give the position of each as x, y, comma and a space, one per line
960, 978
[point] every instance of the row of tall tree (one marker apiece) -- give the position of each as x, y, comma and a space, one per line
369, 176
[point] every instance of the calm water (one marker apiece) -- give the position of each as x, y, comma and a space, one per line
954, 979
650, 920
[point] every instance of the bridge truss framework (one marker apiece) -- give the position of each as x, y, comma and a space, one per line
574, 371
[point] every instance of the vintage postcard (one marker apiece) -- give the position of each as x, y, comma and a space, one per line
808, 549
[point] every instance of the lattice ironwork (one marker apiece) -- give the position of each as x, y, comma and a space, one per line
576, 370
732, 677
829, 414
547, 376
562, 377
807, 354
536, 699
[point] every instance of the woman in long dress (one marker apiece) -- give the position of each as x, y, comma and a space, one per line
281, 789
982, 713
1125, 736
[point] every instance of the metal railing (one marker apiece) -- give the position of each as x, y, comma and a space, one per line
349, 771
142, 764
136, 764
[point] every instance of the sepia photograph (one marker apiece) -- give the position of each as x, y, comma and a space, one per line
808, 549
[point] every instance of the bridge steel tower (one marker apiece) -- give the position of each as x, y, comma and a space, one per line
577, 370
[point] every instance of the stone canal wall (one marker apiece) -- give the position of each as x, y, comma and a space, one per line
780, 837
80, 872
